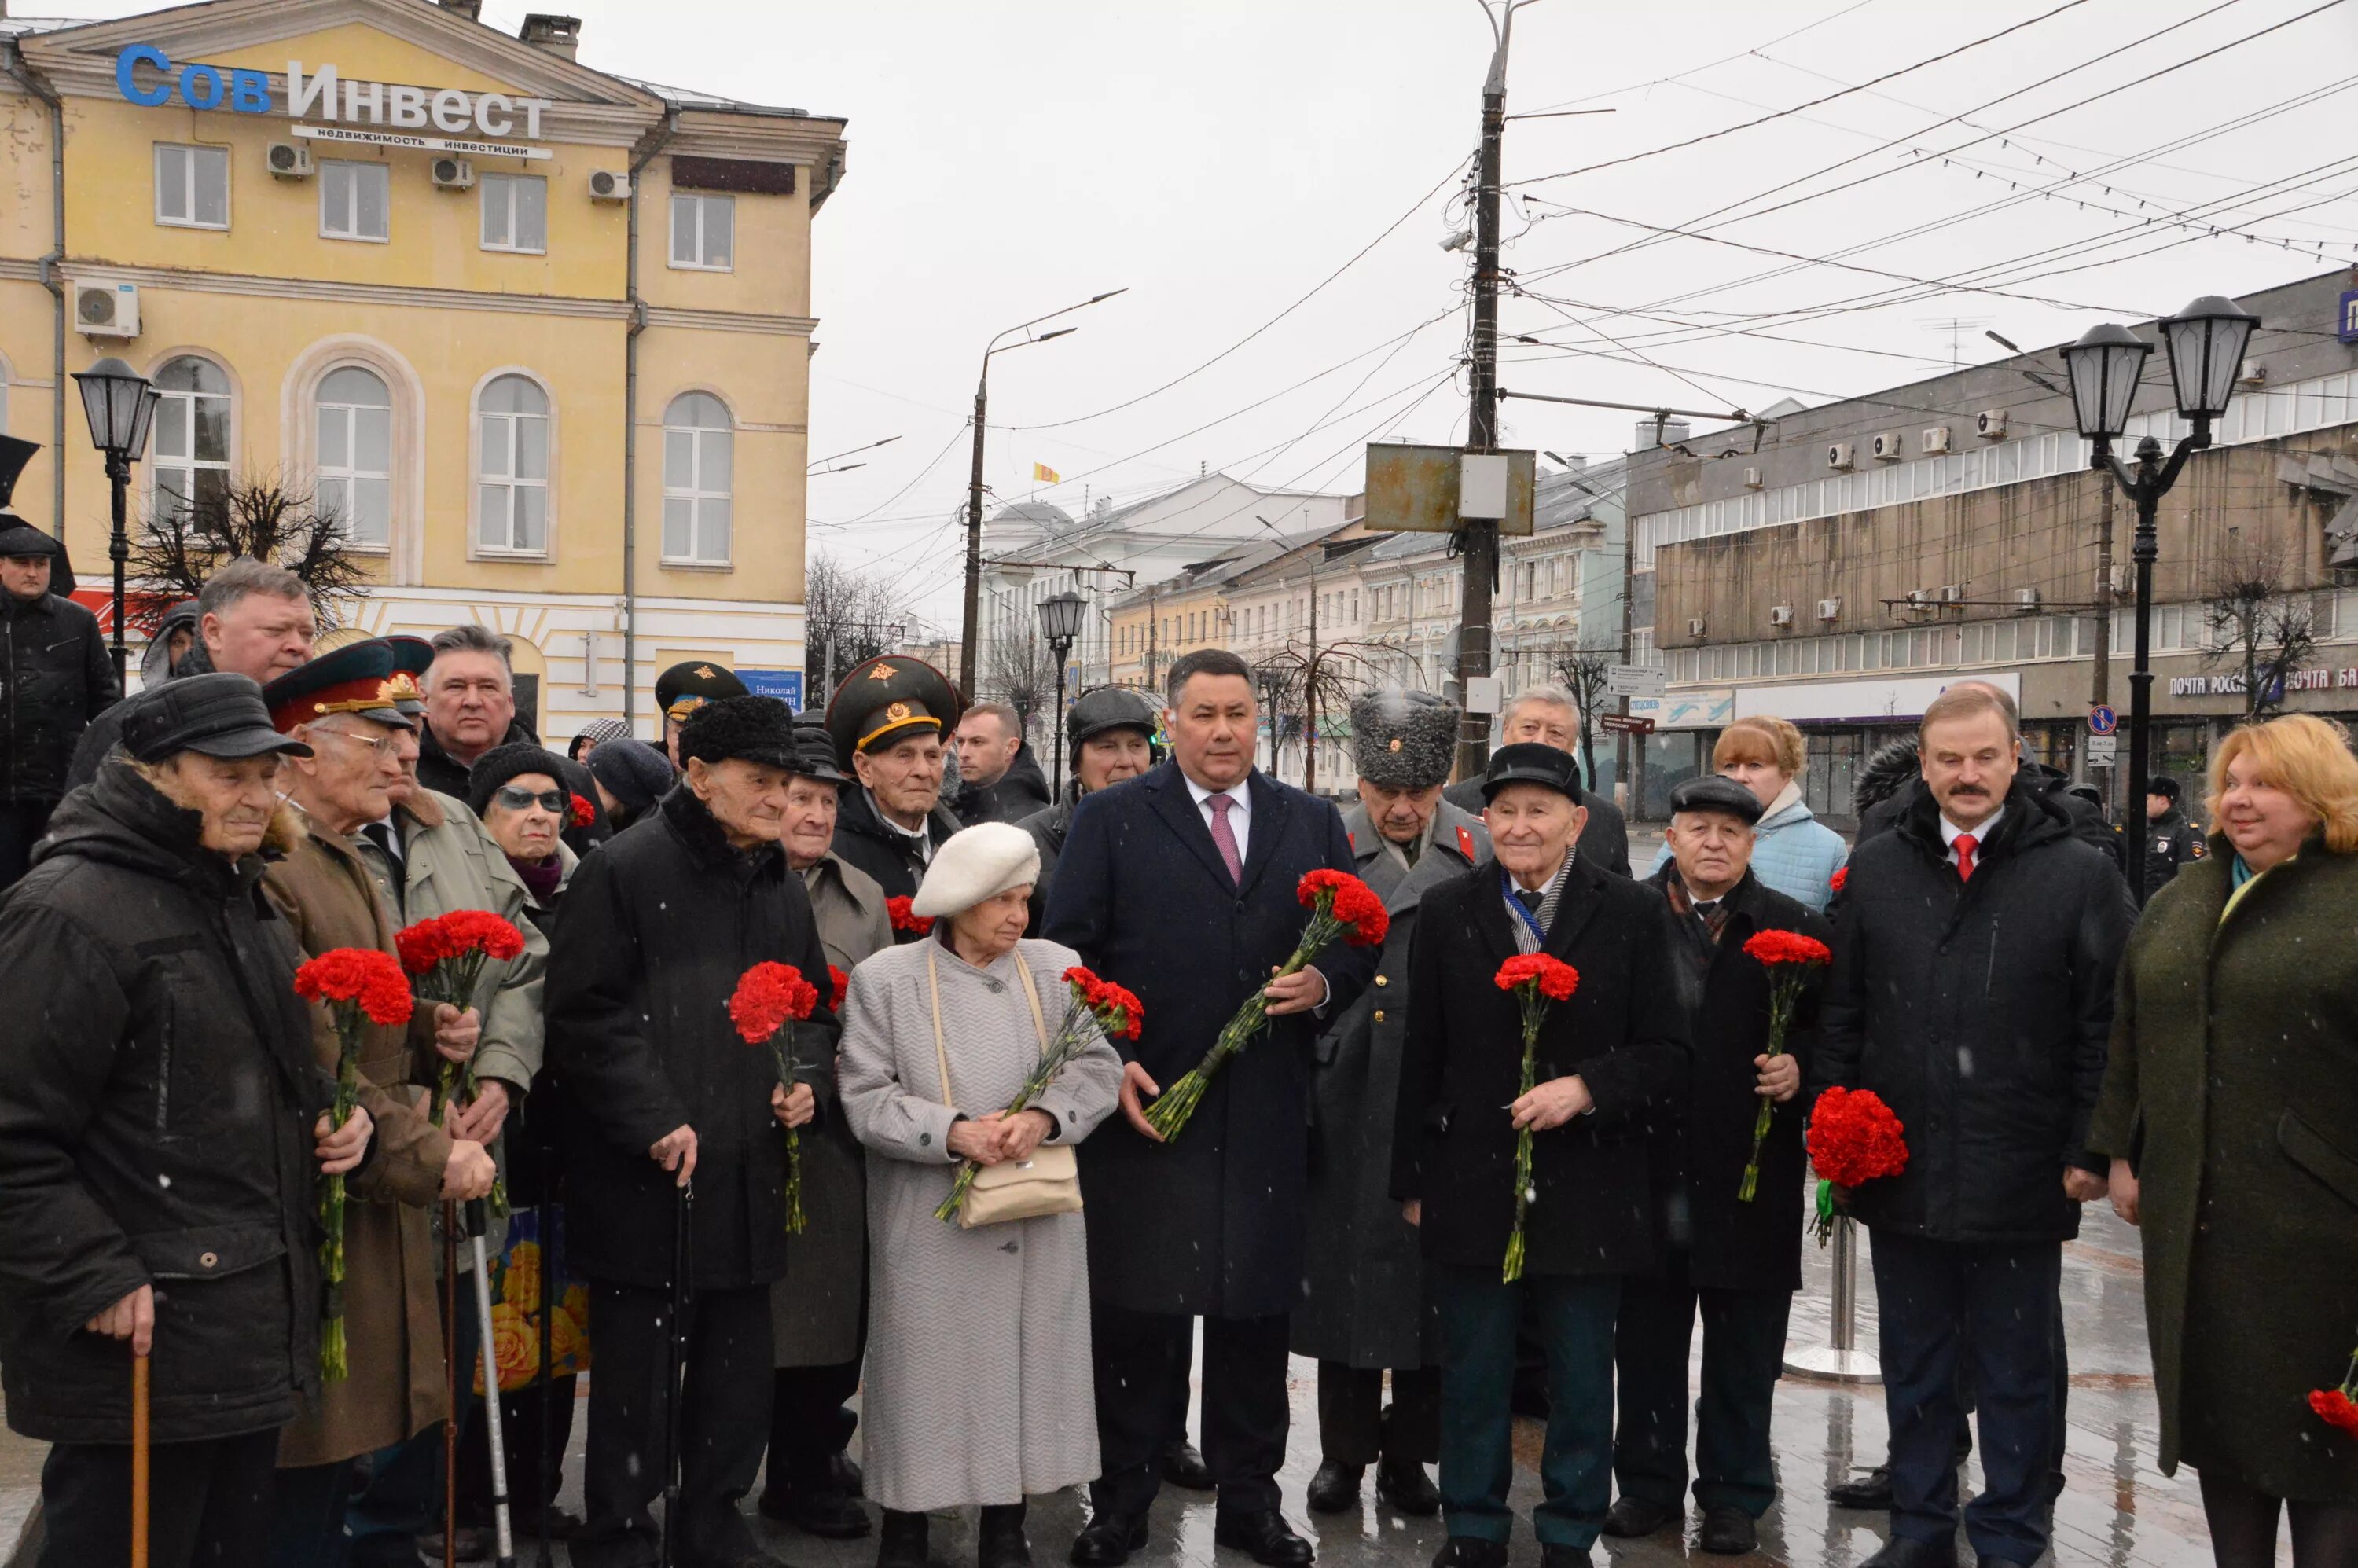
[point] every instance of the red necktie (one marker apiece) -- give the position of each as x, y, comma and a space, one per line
1966, 845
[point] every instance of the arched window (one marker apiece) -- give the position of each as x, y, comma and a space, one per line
355, 454
191, 436
512, 489
698, 464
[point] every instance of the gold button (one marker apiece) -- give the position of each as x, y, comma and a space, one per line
1380, 1015
208, 1258
1383, 979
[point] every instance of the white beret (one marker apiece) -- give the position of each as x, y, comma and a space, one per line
980, 862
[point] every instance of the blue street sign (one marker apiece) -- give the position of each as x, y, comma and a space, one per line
2102, 720
786, 684
2349, 331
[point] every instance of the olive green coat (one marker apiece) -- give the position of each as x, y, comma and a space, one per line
2234, 1084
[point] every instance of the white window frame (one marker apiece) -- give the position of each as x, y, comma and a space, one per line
692, 492
507, 184
698, 262
510, 480
191, 464
384, 171
349, 472
188, 184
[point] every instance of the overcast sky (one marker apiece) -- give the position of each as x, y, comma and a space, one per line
1220, 158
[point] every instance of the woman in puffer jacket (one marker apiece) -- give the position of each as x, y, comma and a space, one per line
1792, 851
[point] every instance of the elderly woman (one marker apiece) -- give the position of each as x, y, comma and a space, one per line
978, 1387
519, 792
2228, 1110
1792, 852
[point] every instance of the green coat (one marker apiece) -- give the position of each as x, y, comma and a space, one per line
2234, 1083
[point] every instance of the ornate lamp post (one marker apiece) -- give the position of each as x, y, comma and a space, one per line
1061, 615
120, 405
2206, 342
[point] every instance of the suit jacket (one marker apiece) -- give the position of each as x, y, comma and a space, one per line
1211, 1224
1622, 1032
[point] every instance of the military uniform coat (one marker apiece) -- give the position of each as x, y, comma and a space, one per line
1363, 1300
863, 839
2234, 1060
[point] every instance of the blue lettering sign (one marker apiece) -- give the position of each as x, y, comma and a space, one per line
2350, 316
785, 684
145, 97
201, 87
249, 91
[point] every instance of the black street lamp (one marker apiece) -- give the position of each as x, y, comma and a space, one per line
119, 403
2206, 342
1060, 621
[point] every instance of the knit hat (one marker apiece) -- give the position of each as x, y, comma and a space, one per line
1403, 739
634, 773
495, 767
981, 862
597, 732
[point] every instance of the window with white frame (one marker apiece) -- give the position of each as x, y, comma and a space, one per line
698, 489
191, 186
355, 199
511, 486
515, 212
703, 231
190, 436
355, 454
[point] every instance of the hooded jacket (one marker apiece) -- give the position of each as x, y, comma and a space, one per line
1018, 793
55, 678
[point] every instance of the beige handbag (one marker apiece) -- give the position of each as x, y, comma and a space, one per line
1049, 1182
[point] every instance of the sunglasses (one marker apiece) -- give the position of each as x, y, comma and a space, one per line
515, 798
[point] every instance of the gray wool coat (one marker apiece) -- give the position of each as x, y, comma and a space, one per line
978, 1387
1363, 1300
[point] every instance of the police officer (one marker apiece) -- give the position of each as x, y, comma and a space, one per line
2170, 841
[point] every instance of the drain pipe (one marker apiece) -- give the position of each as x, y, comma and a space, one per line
12, 64
641, 155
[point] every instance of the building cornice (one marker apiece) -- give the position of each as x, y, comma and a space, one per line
729, 322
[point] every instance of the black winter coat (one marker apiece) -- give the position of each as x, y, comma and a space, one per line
883, 852
1700, 1152
2171, 844
55, 678
1210, 1225
438, 771
1979, 1011
658, 926
1622, 1032
1048, 830
1019, 792
157, 1091
2084, 817
1604, 842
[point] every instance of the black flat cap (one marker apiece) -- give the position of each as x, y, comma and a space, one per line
1108, 707
1710, 792
741, 728
1528, 762
815, 752
634, 773
217, 714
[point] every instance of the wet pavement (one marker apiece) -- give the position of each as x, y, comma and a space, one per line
2117, 1509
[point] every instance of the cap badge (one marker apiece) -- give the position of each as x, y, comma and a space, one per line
1395, 745
400, 688
897, 712
704, 671
880, 672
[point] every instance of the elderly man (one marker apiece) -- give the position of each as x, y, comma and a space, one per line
470, 706
818, 1312
1180, 884
1547, 715
1609, 1059
55, 676
1740, 1258
1109, 734
344, 707
1976, 945
659, 926
999, 777
1363, 1309
252, 619
888, 719
121, 1163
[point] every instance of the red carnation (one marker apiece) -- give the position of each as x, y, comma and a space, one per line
1841, 876
904, 918
1556, 979
580, 813
1854, 1138
481, 931
1350, 901
357, 977
2333, 1406
839, 984
767, 997
423, 946
1773, 947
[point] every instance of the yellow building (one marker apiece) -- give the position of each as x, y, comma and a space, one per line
541, 334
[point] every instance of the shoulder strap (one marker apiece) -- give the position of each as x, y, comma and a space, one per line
941, 1052
1031, 995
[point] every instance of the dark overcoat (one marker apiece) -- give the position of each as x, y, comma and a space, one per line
1979, 1011
1210, 1224
1622, 1032
863, 840
2234, 1060
1363, 1299
55, 678
1604, 842
1701, 1150
659, 924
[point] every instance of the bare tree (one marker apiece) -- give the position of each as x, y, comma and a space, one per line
1020, 671
1586, 672
850, 615
1299, 682
185, 543
2261, 621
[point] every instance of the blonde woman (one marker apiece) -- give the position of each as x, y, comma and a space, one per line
1792, 852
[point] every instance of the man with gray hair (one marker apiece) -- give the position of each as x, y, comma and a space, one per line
470, 706
1550, 716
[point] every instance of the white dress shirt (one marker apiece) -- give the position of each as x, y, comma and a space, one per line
1949, 832
1239, 813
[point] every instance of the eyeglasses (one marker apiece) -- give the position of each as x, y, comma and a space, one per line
381, 746
515, 798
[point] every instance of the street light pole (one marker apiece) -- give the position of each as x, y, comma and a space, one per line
1061, 615
119, 403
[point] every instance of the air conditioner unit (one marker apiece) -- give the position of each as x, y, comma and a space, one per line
609, 185
290, 160
2124, 578
1780, 616
2251, 373
1886, 445
106, 309
1917, 599
1949, 593
2027, 599
1694, 627
1752, 480
453, 174
1839, 455
1990, 424
1829, 609
1933, 440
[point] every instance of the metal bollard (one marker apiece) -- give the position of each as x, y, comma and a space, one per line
1842, 1361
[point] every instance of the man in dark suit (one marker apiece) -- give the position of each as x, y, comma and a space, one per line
1609, 1058
1180, 885
1547, 714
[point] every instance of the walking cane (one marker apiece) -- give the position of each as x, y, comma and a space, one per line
450, 1382
139, 1462
683, 1217
548, 1262
502, 1536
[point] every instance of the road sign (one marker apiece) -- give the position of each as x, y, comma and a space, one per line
2102, 720
2104, 751
786, 685
1629, 723
1638, 680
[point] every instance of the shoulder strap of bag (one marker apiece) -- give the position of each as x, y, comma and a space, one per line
1031, 995
941, 1052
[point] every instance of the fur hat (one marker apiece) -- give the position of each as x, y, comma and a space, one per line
1892, 768
981, 862
744, 729
1403, 739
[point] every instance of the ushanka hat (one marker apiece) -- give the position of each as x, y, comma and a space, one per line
1403, 739
886, 699
980, 862
739, 729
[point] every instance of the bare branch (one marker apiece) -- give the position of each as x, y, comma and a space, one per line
252, 515
2260, 622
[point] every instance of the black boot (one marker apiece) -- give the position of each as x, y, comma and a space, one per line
1403, 1483
1000, 1542
902, 1542
1335, 1487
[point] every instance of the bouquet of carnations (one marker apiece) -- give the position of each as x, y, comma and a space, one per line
2337, 1407
358, 986
1853, 1137
905, 921
1341, 907
446, 956
771, 998
1536, 979
580, 813
1089, 1001
1788, 956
